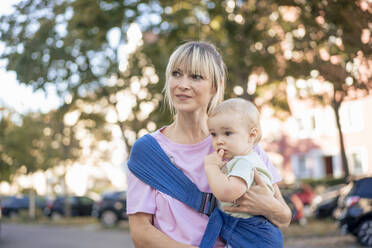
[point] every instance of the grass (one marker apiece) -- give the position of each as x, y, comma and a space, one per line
312, 228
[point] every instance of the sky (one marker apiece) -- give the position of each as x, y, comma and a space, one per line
20, 97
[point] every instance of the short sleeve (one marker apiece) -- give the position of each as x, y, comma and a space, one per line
140, 196
272, 169
243, 169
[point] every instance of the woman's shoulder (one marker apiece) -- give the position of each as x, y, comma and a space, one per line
156, 135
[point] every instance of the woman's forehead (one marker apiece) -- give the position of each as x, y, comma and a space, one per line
194, 67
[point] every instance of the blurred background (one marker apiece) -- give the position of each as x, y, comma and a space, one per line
81, 80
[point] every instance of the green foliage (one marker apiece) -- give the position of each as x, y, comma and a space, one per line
66, 44
28, 142
328, 181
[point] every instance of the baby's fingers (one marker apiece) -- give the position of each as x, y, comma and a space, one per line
221, 153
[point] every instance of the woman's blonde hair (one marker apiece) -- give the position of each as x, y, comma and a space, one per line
245, 109
202, 58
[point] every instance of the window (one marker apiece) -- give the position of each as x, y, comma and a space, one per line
351, 116
357, 161
308, 123
86, 200
301, 164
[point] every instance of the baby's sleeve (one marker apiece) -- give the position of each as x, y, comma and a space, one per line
243, 169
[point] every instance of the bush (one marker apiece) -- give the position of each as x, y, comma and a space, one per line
328, 181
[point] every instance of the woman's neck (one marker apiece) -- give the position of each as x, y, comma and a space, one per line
188, 128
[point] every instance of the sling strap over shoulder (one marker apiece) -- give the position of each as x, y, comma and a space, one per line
150, 164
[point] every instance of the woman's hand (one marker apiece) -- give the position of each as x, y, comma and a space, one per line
259, 200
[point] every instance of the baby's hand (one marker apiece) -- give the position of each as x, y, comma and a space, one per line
215, 158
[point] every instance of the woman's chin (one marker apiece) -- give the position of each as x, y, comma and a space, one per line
186, 108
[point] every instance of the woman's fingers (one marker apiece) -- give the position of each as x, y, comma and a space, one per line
258, 179
235, 209
260, 184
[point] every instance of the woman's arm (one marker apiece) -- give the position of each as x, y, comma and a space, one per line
144, 234
260, 201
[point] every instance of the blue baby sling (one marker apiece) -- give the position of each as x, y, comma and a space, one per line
150, 164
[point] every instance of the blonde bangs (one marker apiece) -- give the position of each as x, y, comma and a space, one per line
198, 58
193, 61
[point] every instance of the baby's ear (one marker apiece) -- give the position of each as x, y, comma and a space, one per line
253, 133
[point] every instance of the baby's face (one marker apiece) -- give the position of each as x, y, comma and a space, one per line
231, 134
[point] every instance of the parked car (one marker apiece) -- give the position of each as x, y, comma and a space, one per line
1, 216
12, 205
355, 210
111, 208
325, 204
80, 206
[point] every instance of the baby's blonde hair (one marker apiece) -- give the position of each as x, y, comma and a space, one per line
198, 57
246, 109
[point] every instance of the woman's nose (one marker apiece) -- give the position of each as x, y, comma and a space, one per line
183, 83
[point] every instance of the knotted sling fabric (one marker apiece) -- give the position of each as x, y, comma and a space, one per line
254, 232
151, 165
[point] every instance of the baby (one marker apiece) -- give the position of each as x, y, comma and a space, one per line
235, 128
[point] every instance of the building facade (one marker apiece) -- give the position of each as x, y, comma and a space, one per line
307, 144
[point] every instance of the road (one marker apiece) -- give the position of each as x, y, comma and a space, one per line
92, 236
334, 241
46, 236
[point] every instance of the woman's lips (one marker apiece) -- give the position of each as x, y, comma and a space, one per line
183, 97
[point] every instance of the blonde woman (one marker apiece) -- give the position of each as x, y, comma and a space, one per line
195, 82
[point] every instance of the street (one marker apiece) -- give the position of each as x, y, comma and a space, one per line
334, 241
92, 236
46, 236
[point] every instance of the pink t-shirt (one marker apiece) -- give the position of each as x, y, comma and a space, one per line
171, 216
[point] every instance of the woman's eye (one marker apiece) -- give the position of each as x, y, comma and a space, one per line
228, 133
196, 77
213, 134
176, 74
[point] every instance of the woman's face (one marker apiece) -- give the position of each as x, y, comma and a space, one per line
190, 92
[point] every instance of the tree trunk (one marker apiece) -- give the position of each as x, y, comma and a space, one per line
336, 107
67, 203
32, 203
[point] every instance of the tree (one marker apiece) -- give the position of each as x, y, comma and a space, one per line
334, 38
29, 141
89, 51
327, 40
69, 48
6, 162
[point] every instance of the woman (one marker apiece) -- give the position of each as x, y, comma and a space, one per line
195, 81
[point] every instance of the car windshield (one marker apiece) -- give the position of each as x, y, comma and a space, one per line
363, 188
115, 195
15, 201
